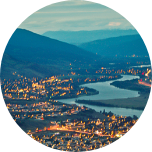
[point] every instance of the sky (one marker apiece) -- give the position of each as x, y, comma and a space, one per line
74, 15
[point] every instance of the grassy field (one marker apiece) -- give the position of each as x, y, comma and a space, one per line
22, 102
131, 85
32, 124
133, 103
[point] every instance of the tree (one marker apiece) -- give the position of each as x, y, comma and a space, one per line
128, 118
104, 111
110, 114
135, 117
87, 142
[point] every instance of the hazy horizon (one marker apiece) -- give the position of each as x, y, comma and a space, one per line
78, 30
75, 16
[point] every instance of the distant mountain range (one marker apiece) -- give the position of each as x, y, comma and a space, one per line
28, 46
78, 37
117, 46
33, 55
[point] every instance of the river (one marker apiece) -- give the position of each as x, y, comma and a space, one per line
141, 66
107, 91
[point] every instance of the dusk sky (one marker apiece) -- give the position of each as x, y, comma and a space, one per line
74, 15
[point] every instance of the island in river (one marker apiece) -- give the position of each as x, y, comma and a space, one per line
138, 103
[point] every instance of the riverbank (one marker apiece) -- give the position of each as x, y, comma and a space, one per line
131, 85
137, 103
88, 92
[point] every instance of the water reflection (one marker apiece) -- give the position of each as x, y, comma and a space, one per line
107, 91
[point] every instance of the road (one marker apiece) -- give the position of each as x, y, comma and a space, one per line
67, 129
144, 83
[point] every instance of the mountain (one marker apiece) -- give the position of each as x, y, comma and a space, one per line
78, 37
28, 46
120, 46
10, 68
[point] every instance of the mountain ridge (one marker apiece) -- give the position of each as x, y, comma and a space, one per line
78, 37
24, 44
10, 68
122, 46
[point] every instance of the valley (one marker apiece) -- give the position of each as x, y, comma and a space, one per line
44, 81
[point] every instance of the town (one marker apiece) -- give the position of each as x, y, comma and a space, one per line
62, 87
33, 104
70, 127
75, 76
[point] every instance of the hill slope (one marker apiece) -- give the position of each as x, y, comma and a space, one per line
28, 46
78, 37
10, 68
120, 46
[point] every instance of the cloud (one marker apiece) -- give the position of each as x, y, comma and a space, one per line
32, 22
72, 3
114, 24
69, 11
74, 15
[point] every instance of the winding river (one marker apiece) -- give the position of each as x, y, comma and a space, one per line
107, 91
